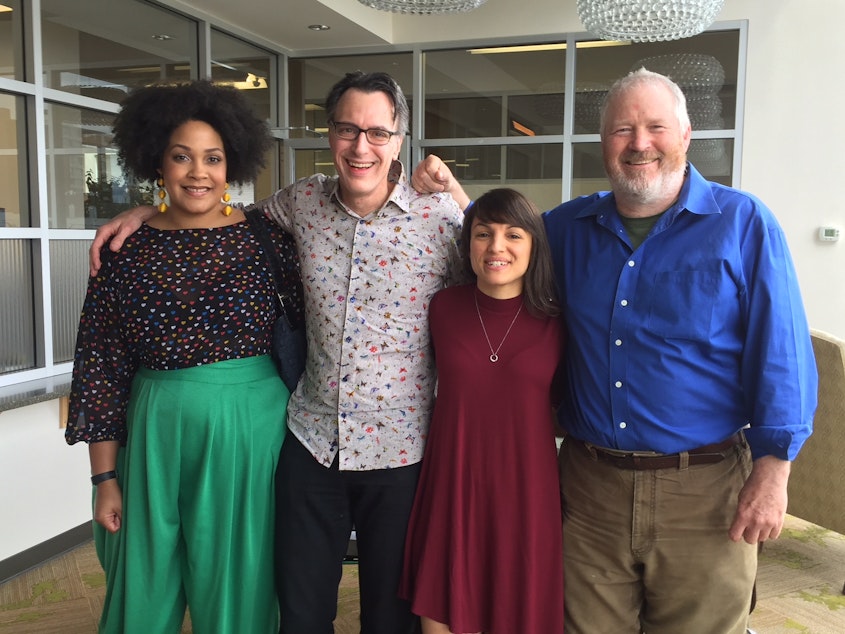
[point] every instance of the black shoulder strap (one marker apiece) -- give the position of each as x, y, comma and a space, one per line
274, 262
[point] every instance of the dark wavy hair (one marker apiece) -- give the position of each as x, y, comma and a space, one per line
149, 115
508, 206
371, 82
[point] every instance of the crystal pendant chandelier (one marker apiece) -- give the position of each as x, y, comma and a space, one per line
647, 20
424, 7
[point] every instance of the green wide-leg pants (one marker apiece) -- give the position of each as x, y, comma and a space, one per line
198, 502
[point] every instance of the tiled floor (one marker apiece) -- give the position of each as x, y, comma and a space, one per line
799, 590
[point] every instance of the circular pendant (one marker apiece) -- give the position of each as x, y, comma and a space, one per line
494, 357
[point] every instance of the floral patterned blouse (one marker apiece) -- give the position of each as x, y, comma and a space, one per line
368, 387
168, 300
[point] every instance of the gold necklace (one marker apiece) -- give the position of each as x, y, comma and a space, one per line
494, 354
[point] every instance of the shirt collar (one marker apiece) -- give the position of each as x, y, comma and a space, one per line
696, 195
400, 196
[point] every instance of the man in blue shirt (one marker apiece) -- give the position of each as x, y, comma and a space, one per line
690, 377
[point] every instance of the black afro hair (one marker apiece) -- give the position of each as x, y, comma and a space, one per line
149, 115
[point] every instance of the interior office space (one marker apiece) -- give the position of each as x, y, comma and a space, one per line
526, 117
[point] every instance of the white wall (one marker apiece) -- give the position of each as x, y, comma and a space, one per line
46, 488
792, 157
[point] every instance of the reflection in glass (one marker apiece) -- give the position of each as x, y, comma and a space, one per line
493, 92
713, 158
68, 283
587, 110
86, 186
587, 170
87, 51
700, 77
17, 312
532, 162
460, 117
310, 162
310, 79
246, 67
14, 203
268, 181
534, 170
11, 40
705, 66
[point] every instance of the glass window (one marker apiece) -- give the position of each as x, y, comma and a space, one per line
463, 117
11, 40
492, 92
68, 283
310, 162
268, 179
104, 48
252, 70
309, 81
247, 67
588, 174
713, 158
14, 202
17, 307
535, 170
704, 66
86, 186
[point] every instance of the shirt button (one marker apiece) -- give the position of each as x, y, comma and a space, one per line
618, 342
630, 263
623, 425
624, 302
618, 384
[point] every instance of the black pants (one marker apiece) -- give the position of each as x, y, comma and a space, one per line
316, 509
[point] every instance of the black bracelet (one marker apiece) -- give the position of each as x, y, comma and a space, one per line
102, 477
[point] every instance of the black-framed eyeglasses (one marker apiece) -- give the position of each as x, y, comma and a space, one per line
350, 132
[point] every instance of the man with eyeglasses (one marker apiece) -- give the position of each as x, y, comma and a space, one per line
373, 252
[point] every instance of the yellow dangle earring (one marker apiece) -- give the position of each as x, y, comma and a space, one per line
227, 210
162, 194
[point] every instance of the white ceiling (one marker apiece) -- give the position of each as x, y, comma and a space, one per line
353, 25
285, 22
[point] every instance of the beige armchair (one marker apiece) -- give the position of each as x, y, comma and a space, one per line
818, 473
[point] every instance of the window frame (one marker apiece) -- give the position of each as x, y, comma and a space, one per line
47, 374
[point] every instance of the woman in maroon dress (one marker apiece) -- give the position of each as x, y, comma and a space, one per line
484, 551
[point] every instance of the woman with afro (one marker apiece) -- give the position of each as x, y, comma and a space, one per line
173, 386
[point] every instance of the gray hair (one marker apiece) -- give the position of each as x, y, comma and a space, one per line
369, 83
643, 77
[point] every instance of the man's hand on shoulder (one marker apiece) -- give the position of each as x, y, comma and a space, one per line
432, 175
115, 231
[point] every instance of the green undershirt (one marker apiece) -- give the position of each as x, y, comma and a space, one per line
639, 228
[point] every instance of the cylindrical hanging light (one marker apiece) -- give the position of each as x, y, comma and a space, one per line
647, 20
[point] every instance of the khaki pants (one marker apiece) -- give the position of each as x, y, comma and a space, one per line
648, 551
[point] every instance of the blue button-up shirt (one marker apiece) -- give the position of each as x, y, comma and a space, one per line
694, 335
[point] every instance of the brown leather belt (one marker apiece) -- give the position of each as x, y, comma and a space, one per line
708, 454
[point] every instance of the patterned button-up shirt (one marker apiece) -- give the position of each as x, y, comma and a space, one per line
368, 387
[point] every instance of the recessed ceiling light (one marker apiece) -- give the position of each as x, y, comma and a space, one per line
319, 27
162, 37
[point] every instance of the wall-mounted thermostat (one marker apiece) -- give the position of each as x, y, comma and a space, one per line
828, 234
